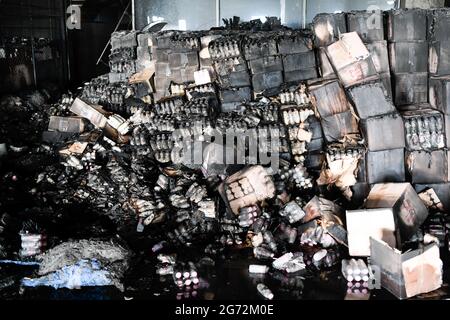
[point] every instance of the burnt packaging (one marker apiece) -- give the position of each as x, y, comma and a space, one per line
235, 80
90, 112
266, 64
441, 189
409, 57
370, 100
326, 69
407, 25
233, 97
384, 132
380, 57
409, 210
386, 80
368, 24
300, 75
329, 98
183, 60
66, 124
351, 60
299, 61
440, 94
295, 42
410, 88
385, 166
268, 80
255, 48
439, 58
327, 28
408, 274
424, 128
438, 24
337, 126
428, 167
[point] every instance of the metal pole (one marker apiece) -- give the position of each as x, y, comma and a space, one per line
305, 4
115, 29
133, 15
217, 13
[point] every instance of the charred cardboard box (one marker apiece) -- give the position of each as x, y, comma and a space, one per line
410, 88
300, 75
409, 210
329, 98
299, 61
407, 25
259, 47
380, 56
424, 128
266, 64
337, 126
267, 80
326, 69
360, 192
90, 112
66, 124
407, 274
387, 83
385, 166
328, 27
409, 57
231, 98
384, 132
442, 190
247, 188
428, 166
183, 60
295, 42
351, 60
439, 58
440, 93
368, 24
371, 100
438, 24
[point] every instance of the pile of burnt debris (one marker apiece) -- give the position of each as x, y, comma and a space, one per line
309, 150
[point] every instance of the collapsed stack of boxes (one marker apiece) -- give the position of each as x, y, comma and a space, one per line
123, 56
370, 28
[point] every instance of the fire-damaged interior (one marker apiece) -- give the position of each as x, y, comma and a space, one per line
246, 160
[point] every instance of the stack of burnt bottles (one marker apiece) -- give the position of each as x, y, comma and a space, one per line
304, 128
265, 65
122, 60
231, 71
176, 55
408, 50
